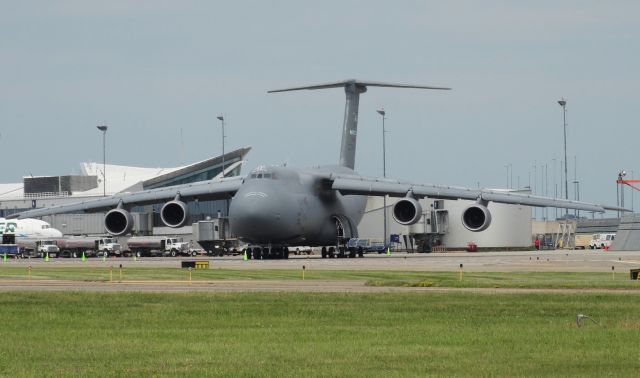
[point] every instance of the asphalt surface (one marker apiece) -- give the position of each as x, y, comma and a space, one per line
539, 261
529, 261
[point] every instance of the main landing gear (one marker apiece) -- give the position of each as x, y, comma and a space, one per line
266, 253
342, 252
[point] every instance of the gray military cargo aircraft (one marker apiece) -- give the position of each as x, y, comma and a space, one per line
275, 207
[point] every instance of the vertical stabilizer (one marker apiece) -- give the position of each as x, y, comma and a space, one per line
352, 89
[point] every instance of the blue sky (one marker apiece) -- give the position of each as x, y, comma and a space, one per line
150, 69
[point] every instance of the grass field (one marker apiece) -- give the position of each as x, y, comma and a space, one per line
294, 334
373, 278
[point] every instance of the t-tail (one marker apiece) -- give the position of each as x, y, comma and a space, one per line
352, 90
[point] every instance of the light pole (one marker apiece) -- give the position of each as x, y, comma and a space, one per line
509, 177
562, 102
620, 189
384, 173
221, 118
104, 128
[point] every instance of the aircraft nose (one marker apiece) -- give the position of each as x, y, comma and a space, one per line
255, 215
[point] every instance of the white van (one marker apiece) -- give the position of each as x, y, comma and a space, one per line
600, 241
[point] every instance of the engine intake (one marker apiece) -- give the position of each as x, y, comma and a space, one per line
118, 222
476, 218
407, 211
174, 213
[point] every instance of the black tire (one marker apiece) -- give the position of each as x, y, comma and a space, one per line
285, 253
324, 252
138, 253
360, 252
173, 253
105, 254
194, 253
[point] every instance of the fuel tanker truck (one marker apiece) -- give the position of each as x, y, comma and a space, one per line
74, 247
157, 246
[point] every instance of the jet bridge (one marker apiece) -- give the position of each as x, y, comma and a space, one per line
428, 233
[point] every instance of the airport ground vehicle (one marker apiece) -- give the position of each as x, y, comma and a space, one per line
582, 241
367, 246
74, 247
602, 241
8, 250
214, 237
302, 250
28, 247
158, 246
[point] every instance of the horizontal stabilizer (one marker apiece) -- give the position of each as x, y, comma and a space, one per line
340, 84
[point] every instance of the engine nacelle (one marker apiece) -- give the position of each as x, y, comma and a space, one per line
118, 222
174, 213
476, 218
407, 211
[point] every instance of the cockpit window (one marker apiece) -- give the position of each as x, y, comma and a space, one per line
262, 175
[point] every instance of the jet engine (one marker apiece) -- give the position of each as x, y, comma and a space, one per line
118, 222
174, 213
407, 211
476, 217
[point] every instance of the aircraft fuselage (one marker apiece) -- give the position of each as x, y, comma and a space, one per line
285, 206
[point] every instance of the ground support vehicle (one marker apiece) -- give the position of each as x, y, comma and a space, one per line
602, 241
158, 246
91, 247
301, 250
9, 250
36, 248
214, 237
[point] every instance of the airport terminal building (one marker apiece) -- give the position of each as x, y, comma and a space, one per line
47, 191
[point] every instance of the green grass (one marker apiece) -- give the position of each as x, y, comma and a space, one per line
550, 280
295, 334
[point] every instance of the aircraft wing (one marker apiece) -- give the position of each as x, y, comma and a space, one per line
351, 184
204, 190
